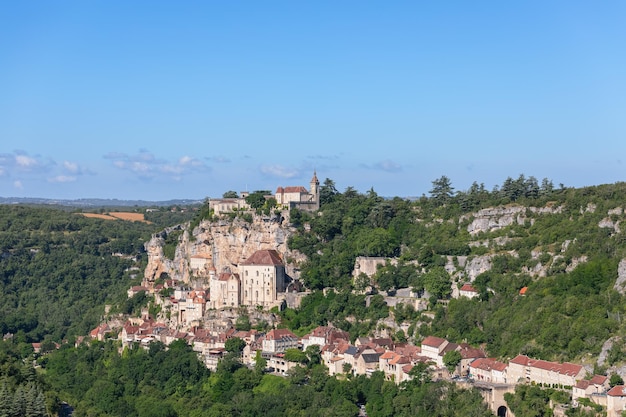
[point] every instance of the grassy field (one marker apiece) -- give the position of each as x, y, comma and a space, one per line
121, 215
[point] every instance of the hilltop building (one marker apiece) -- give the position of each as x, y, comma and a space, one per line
286, 197
298, 197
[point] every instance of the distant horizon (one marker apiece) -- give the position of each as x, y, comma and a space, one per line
117, 100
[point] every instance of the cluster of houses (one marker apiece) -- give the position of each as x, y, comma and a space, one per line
368, 355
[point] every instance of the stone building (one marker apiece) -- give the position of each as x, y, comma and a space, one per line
262, 278
261, 281
298, 196
225, 289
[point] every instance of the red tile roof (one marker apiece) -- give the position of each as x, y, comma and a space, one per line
523, 291
468, 288
488, 364
296, 189
617, 391
433, 341
264, 257
598, 379
565, 368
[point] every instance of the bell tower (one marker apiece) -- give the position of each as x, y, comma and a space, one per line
315, 190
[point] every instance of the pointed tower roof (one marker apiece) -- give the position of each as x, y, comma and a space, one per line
314, 179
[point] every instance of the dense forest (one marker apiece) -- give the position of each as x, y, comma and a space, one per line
58, 270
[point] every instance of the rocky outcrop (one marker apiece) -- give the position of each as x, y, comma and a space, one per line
494, 218
226, 242
477, 266
620, 283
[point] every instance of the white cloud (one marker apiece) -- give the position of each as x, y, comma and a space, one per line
24, 161
386, 165
18, 184
70, 166
146, 165
279, 171
62, 179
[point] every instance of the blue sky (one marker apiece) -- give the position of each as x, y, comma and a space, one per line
159, 100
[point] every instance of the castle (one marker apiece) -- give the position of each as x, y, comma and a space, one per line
286, 198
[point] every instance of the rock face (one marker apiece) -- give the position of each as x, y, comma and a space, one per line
494, 218
226, 243
620, 283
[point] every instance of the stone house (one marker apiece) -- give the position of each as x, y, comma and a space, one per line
367, 362
616, 401
586, 388
523, 368
324, 335
279, 340
434, 348
488, 370
224, 289
467, 290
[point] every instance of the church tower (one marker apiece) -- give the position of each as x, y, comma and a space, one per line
315, 190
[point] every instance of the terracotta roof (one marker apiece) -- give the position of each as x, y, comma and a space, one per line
468, 288
264, 257
523, 291
279, 334
488, 364
617, 391
297, 189
388, 355
521, 360
565, 368
468, 352
583, 384
433, 341
598, 379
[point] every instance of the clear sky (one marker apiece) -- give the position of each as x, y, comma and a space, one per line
159, 100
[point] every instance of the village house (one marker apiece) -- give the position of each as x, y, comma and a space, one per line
467, 290
224, 290
588, 388
616, 401
278, 341
488, 370
324, 335
99, 332
367, 362
200, 264
228, 205
523, 368
434, 348
468, 355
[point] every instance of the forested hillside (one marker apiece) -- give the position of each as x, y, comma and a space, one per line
564, 244
58, 269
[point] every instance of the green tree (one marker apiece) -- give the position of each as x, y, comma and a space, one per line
235, 345
256, 199
442, 190
451, 360
230, 194
328, 192
615, 380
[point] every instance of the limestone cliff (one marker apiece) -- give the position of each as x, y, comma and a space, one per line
224, 243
